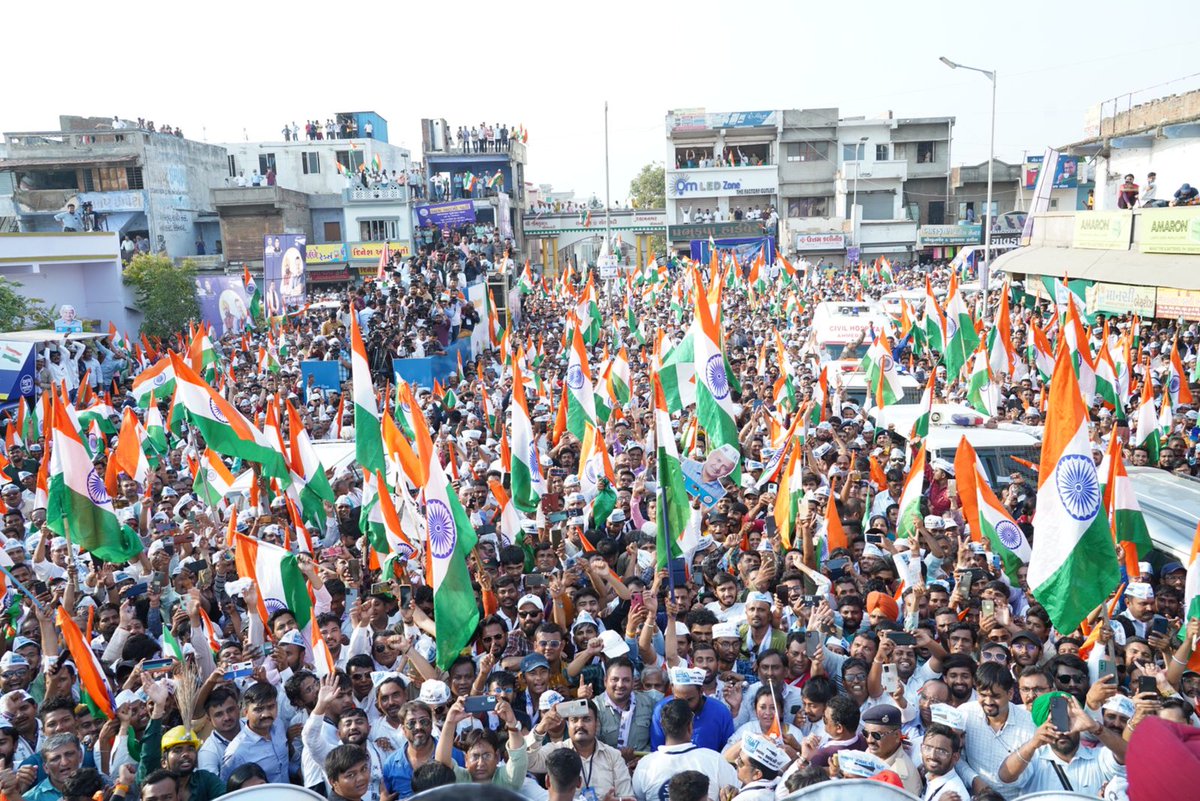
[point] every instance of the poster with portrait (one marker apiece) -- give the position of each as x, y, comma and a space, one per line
223, 303
284, 272
703, 479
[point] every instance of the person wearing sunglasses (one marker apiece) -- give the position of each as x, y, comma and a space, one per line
1070, 675
881, 729
417, 723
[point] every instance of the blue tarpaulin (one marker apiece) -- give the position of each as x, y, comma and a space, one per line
423, 372
745, 249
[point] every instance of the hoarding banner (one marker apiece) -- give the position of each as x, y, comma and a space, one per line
1066, 171
17, 378
695, 119
1041, 192
1170, 230
1102, 230
928, 235
371, 251
223, 303
728, 182
1120, 299
504, 213
820, 241
458, 212
1175, 303
283, 271
326, 254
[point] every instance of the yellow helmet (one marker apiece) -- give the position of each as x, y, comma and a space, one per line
179, 736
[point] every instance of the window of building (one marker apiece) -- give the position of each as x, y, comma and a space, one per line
133, 177
232, 167
266, 162
807, 151
926, 153
378, 230
747, 155
311, 162
49, 179
350, 159
853, 151
881, 152
109, 179
808, 207
690, 158
333, 231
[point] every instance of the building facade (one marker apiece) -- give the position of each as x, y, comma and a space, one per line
131, 182
811, 169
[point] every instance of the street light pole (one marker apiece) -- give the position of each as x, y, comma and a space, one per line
858, 157
987, 234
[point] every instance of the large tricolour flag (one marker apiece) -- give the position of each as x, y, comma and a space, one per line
714, 401
156, 382
527, 483
1124, 511
223, 427
78, 505
997, 525
910, 498
581, 402
449, 538
276, 573
368, 440
673, 507
1072, 569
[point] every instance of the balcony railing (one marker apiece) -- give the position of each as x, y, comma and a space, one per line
65, 141
399, 194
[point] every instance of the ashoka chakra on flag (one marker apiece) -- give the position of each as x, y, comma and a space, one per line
1009, 534
575, 377
216, 412
1078, 486
715, 368
440, 524
96, 489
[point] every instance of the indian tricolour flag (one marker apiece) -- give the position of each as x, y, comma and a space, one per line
1124, 511
450, 538
276, 573
619, 378
961, 339
155, 383
910, 498
128, 454
380, 520
935, 321
213, 479
527, 483
920, 428
1191, 593
78, 505
673, 507
314, 488
883, 379
581, 400
1006, 538
156, 435
982, 393
678, 370
1146, 434
1072, 569
790, 494
223, 427
368, 440
714, 401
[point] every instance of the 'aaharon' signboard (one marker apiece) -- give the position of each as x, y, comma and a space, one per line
1170, 230
1102, 230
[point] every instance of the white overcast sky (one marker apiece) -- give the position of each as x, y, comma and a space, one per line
221, 67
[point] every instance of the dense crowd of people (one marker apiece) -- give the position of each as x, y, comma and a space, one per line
801, 628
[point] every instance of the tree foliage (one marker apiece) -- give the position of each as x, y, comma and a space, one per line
649, 189
20, 313
166, 293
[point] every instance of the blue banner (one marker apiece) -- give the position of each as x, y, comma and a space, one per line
17, 378
423, 372
317, 373
458, 212
745, 250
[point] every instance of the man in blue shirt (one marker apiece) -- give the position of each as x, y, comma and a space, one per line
63, 756
263, 739
713, 725
417, 720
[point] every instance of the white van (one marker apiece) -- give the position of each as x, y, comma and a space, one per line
994, 443
843, 330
